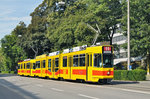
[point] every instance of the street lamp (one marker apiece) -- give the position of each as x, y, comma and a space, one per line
128, 23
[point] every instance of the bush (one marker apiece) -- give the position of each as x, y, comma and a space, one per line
12, 72
5, 72
133, 75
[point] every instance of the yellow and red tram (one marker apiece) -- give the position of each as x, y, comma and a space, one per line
93, 64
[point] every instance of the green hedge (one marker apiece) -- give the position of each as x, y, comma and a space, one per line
133, 75
7, 72
11, 72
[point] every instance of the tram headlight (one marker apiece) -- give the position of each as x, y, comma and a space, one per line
108, 73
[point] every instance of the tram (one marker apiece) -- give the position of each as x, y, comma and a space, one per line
90, 64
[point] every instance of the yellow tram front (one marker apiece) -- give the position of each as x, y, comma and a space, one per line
100, 65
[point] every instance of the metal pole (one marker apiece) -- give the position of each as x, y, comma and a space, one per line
128, 23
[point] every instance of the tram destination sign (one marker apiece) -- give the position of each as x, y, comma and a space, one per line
107, 50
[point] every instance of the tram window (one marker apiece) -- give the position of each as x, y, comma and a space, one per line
65, 61
56, 62
38, 64
21, 66
107, 60
49, 63
24, 66
82, 60
43, 63
28, 65
87, 60
18, 66
34, 66
97, 60
90, 60
75, 60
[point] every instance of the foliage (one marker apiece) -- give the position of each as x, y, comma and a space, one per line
7, 72
2, 68
140, 26
11, 51
4, 72
133, 75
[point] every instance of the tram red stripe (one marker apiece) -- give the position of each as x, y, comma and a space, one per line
102, 73
79, 72
48, 72
28, 71
33, 71
38, 71
67, 71
59, 72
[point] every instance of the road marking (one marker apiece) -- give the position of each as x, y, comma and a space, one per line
143, 92
39, 85
57, 89
94, 86
129, 90
82, 95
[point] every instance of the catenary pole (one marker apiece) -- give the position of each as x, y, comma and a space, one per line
128, 23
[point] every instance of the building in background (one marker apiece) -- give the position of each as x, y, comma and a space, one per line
120, 54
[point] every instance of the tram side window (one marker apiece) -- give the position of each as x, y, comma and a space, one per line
24, 66
56, 62
28, 65
38, 64
90, 60
75, 61
18, 66
49, 65
43, 63
97, 60
34, 66
65, 61
87, 60
82, 60
21, 66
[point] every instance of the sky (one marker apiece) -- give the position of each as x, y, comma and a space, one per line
14, 11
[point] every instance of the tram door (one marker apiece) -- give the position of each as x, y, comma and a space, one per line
56, 67
88, 66
70, 65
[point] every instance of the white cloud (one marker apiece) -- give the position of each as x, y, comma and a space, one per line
6, 12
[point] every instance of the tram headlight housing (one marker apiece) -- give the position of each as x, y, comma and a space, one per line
108, 73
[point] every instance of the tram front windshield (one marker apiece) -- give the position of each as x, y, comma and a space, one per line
107, 60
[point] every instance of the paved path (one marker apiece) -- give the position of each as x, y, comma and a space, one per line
16, 87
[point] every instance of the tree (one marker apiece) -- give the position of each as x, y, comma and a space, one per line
110, 12
11, 52
12, 48
2, 67
140, 26
36, 39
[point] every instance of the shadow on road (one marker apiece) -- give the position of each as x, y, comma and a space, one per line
124, 82
96, 83
11, 91
7, 75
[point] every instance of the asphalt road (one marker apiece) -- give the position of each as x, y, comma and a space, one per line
17, 87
